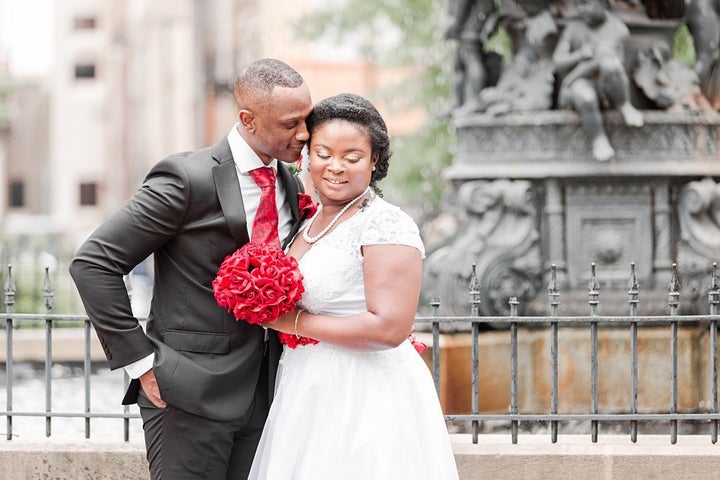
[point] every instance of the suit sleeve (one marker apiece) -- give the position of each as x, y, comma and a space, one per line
149, 219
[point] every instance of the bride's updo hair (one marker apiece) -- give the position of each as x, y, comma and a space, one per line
358, 110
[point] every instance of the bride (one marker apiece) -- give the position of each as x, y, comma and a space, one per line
360, 403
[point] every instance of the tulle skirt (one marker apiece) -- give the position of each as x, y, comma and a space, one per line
340, 414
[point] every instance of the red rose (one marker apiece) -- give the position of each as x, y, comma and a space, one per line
306, 205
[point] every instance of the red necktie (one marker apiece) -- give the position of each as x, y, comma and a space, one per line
265, 225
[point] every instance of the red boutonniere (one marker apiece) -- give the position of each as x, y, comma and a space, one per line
296, 168
258, 283
306, 205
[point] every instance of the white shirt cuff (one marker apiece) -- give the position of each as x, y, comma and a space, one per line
136, 369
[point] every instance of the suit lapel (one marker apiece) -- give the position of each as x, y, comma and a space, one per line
228, 192
292, 188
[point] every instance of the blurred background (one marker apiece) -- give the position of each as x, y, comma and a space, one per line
94, 92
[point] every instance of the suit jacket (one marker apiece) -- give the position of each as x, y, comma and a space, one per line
189, 213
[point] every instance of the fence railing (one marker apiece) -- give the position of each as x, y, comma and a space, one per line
593, 322
51, 321
514, 417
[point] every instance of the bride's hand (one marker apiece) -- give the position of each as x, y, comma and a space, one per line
284, 323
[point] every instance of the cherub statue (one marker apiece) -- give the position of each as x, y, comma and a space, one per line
526, 81
669, 83
589, 60
703, 21
472, 72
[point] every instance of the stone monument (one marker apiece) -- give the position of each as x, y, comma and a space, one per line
534, 187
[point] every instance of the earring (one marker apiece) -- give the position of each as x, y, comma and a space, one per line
373, 168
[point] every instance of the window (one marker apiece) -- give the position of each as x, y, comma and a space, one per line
88, 194
17, 194
85, 70
84, 23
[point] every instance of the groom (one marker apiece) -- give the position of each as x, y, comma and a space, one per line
203, 381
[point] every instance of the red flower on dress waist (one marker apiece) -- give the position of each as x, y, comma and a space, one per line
292, 341
420, 347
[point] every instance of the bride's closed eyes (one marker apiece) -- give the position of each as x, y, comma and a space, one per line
349, 158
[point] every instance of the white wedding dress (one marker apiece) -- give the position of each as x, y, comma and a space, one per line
343, 414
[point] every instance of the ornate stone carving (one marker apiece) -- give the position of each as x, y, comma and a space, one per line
698, 246
500, 236
699, 215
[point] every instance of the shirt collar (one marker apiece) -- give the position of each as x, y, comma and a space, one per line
244, 156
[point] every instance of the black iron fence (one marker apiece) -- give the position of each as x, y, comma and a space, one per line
51, 321
593, 322
435, 323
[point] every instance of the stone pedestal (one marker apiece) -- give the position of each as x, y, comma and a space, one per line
530, 194
574, 374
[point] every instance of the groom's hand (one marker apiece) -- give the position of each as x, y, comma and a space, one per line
151, 389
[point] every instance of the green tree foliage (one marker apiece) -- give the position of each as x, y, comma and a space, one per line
684, 49
401, 33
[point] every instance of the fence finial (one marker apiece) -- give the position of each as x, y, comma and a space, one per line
513, 302
552, 288
9, 289
47, 290
474, 293
593, 287
674, 287
633, 286
633, 281
592, 283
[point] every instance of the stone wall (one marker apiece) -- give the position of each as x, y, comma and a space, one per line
493, 457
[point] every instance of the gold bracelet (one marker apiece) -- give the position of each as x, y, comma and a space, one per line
296, 321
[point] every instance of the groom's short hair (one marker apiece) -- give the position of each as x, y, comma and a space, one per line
257, 80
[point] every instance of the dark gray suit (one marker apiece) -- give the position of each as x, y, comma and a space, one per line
189, 212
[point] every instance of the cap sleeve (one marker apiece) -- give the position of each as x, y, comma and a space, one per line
392, 226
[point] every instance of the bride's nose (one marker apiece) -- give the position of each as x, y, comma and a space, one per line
335, 165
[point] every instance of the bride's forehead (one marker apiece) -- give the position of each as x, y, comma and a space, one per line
341, 129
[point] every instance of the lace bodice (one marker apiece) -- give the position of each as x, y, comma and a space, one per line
333, 267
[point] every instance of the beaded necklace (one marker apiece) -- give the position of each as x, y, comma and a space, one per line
325, 230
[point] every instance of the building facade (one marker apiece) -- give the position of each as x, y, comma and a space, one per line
133, 82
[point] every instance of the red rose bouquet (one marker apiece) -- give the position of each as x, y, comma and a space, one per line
258, 283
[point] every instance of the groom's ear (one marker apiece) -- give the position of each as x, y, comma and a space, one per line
247, 120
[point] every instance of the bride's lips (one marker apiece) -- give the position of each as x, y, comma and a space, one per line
335, 181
